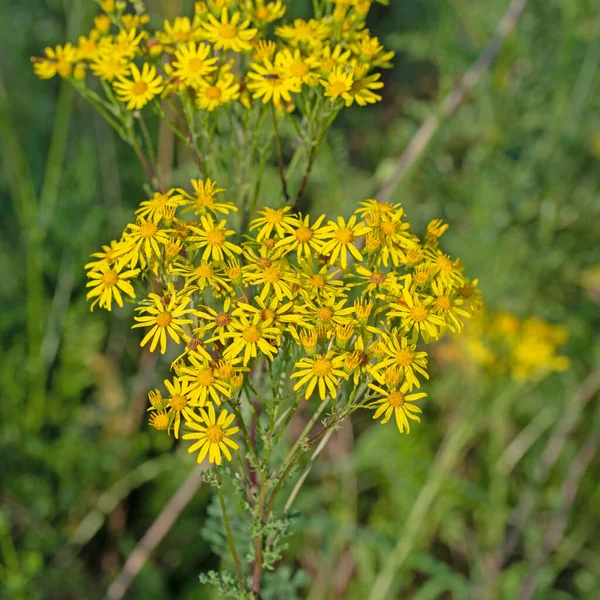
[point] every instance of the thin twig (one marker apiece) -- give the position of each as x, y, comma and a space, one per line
453, 100
155, 534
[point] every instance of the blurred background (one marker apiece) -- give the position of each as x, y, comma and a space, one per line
494, 495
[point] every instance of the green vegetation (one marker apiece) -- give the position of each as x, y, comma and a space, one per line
493, 495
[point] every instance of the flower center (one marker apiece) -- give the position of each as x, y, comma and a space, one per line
272, 274
321, 367
213, 92
164, 319
273, 217
377, 278
228, 31
147, 230
445, 264
344, 236
338, 88
396, 399
404, 358
267, 313
418, 313
204, 378
110, 278
160, 421
263, 263
361, 358
139, 88
222, 319
324, 313
205, 200
421, 277
304, 31
195, 65
388, 228
214, 434
392, 377
317, 281
251, 334
261, 13
215, 238
182, 36
299, 69
466, 291
304, 234
178, 402
193, 344
443, 302
204, 271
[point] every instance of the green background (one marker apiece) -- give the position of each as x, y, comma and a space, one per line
516, 173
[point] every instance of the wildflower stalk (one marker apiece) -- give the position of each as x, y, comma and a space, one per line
234, 555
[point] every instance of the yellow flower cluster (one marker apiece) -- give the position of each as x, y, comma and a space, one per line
223, 55
327, 304
526, 349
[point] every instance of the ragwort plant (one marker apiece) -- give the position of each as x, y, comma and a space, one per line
267, 309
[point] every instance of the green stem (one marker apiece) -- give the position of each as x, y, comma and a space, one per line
236, 561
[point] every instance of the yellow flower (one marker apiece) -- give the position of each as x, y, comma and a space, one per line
271, 219
211, 94
87, 46
107, 282
156, 207
221, 321
303, 32
448, 306
269, 83
416, 314
341, 237
163, 316
212, 435
277, 278
139, 90
362, 92
248, 337
143, 238
264, 50
179, 403
212, 237
262, 13
306, 239
275, 311
374, 280
324, 371
296, 67
203, 201
397, 402
330, 60
229, 33
198, 278
203, 383
192, 63
322, 283
405, 358
159, 420
181, 31
109, 67
107, 256
338, 85
327, 314
58, 60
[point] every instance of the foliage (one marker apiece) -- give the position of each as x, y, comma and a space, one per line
514, 172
